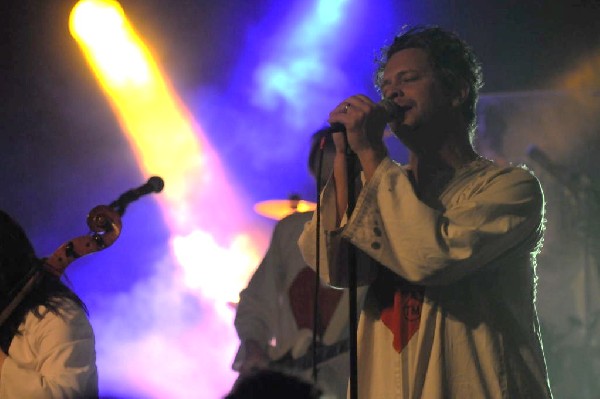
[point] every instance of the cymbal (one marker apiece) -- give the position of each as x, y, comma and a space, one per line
278, 209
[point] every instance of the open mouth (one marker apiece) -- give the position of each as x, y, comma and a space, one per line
402, 110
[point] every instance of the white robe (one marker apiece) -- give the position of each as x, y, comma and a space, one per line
472, 262
53, 357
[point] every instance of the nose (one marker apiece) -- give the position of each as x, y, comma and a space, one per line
395, 91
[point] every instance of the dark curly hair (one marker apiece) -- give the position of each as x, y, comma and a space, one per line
18, 263
453, 61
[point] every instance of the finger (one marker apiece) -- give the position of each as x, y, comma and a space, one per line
362, 103
339, 141
354, 101
351, 110
341, 108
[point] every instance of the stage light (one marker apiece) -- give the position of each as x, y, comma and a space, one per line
213, 257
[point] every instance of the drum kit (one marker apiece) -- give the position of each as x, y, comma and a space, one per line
278, 209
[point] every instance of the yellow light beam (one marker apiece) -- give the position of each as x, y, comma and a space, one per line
200, 203
161, 132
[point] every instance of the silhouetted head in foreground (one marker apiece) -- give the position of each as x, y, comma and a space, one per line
271, 384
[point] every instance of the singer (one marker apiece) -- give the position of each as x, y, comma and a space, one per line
446, 244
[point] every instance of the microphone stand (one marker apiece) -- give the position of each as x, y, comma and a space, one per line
353, 171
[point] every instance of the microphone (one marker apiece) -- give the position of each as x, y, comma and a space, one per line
388, 106
154, 184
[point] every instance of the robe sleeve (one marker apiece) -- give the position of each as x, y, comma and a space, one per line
492, 213
333, 247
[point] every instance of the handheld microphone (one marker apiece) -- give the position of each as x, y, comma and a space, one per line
388, 106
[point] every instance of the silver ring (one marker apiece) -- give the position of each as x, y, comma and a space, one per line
346, 108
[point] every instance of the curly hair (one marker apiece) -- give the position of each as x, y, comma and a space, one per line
453, 61
18, 263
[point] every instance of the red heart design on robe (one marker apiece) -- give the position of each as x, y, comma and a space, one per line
404, 316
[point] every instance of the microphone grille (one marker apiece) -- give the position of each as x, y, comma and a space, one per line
392, 109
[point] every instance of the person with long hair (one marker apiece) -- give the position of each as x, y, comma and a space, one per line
47, 343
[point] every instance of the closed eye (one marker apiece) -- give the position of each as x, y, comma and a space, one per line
410, 77
407, 80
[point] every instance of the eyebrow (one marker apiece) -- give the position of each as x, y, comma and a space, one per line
386, 82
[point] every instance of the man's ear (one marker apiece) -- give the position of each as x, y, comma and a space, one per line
461, 95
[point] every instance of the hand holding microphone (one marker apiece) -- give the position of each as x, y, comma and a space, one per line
359, 123
363, 121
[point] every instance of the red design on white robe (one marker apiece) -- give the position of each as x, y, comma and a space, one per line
404, 316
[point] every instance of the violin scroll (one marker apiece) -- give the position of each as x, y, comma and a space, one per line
105, 227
